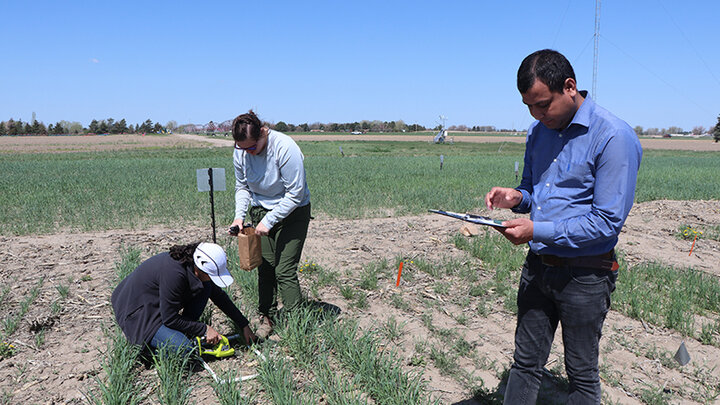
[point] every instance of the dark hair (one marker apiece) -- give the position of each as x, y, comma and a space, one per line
184, 253
548, 66
246, 126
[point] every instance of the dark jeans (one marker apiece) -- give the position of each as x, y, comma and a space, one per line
579, 298
281, 251
175, 339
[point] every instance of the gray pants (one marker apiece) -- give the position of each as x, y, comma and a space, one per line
577, 297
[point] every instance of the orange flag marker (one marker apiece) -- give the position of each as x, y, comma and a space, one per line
397, 284
691, 248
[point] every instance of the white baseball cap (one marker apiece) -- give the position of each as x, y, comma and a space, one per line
211, 259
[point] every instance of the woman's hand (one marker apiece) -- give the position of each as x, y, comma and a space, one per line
261, 230
212, 336
237, 222
249, 335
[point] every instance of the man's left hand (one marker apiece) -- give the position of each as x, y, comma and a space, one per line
517, 231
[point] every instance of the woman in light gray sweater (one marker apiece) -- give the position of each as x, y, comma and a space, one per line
270, 180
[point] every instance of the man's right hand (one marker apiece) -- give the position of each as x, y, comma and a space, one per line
502, 197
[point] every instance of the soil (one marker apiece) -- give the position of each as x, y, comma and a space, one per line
86, 143
63, 365
62, 368
58, 144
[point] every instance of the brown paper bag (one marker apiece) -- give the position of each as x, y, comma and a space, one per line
250, 249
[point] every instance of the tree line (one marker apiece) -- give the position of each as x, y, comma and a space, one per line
377, 126
106, 126
356, 126
111, 126
359, 126
699, 130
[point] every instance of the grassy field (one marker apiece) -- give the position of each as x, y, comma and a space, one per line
339, 361
130, 189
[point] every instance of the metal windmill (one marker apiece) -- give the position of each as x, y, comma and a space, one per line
440, 137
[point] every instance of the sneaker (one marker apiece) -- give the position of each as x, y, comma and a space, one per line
265, 327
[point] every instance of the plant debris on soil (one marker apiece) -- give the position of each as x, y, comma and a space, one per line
60, 367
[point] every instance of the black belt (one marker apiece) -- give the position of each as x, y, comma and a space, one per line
603, 261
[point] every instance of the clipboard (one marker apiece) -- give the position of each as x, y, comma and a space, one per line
475, 219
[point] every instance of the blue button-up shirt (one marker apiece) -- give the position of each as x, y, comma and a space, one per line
578, 184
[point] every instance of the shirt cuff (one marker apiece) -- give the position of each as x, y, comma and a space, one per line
243, 322
544, 232
524, 206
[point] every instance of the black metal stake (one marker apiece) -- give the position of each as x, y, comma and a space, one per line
212, 202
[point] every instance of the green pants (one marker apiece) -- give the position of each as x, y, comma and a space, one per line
281, 250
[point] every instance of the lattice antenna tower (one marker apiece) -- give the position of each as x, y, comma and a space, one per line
442, 121
596, 37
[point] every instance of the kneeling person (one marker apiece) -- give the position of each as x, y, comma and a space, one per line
160, 302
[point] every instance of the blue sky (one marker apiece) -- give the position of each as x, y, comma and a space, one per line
344, 61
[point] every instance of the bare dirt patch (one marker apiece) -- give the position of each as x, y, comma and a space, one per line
90, 143
58, 144
62, 367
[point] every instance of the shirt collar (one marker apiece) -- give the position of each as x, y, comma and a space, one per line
582, 115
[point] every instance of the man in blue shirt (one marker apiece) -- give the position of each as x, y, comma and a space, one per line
578, 185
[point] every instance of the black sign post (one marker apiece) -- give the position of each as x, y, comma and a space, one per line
206, 179
212, 202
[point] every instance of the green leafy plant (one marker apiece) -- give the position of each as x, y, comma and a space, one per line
172, 367
119, 382
276, 376
360, 300
130, 259
383, 378
308, 267
666, 296
392, 329
398, 302
347, 291
11, 322
7, 350
228, 389
687, 232
63, 290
